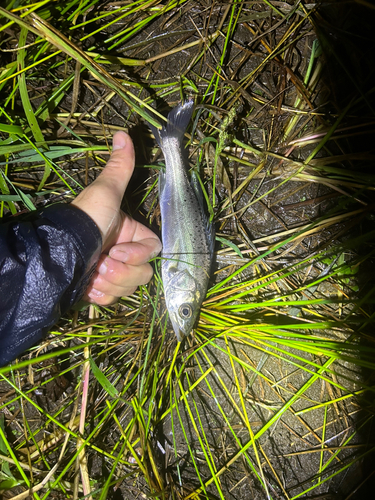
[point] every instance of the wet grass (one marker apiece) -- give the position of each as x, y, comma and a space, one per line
272, 396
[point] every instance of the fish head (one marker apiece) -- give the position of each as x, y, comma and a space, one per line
183, 299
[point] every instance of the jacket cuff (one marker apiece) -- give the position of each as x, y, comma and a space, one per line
81, 228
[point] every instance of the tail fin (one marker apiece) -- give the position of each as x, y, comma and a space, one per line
178, 121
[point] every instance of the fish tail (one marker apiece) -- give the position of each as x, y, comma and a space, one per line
178, 121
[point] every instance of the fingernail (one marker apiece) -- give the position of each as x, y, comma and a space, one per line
103, 267
158, 248
155, 253
119, 255
94, 294
119, 141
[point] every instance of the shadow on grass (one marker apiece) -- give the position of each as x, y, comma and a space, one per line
345, 32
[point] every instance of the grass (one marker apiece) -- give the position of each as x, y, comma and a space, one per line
272, 397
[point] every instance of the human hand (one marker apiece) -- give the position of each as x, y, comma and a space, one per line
127, 244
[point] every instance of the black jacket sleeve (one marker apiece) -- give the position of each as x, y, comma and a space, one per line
46, 263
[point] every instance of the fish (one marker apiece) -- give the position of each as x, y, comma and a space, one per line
187, 234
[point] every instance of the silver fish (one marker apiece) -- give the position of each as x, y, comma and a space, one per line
187, 235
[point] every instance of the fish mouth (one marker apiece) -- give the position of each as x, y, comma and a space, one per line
179, 334
180, 330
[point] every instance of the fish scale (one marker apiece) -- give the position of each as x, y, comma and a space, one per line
187, 235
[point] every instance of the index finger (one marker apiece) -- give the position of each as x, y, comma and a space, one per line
136, 253
136, 243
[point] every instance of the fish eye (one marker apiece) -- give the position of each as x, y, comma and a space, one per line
185, 311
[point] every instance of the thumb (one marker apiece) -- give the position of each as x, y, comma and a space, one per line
119, 169
101, 200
